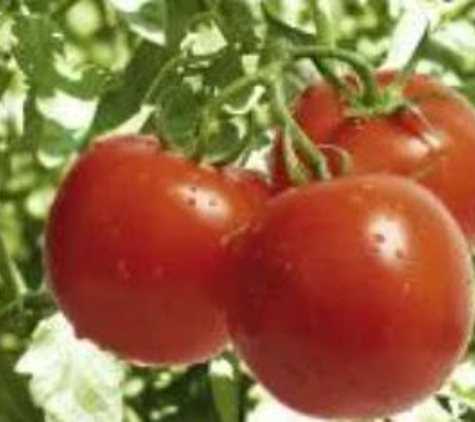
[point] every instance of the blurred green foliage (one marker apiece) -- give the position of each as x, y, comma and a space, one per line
74, 69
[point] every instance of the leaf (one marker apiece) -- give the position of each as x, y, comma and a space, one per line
226, 68
180, 13
279, 28
469, 91
236, 22
71, 380
15, 403
6, 77
124, 100
37, 45
38, 6
46, 135
90, 84
148, 20
179, 116
225, 387
225, 146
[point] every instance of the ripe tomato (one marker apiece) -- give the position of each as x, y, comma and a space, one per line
352, 297
434, 142
134, 249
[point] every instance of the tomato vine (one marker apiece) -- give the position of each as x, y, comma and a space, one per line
217, 81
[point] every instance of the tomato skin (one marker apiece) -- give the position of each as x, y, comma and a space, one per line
436, 148
352, 297
134, 250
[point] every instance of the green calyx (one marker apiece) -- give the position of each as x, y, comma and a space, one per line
388, 101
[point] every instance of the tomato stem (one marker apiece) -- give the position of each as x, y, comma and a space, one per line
323, 24
326, 38
345, 158
207, 122
303, 143
297, 172
171, 66
364, 70
11, 283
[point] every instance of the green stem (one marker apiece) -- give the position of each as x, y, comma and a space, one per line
345, 158
326, 38
11, 284
297, 172
39, 302
364, 70
323, 24
215, 105
171, 66
235, 88
303, 143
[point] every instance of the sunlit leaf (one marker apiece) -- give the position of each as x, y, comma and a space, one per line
37, 44
71, 379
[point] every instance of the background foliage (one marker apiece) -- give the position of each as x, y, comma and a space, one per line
71, 70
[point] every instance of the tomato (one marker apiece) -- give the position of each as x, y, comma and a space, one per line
433, 142
352, 297
134, 249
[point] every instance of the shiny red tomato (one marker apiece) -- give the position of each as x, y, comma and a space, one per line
433, 142
353, 297
134, 249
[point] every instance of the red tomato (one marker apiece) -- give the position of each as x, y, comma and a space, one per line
134, 249
434, 143
353, 297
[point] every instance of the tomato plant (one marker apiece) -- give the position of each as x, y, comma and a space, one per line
431, 140
133, 274
134, 250
353, 297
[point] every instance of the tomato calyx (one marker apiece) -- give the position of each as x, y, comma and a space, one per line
387, 102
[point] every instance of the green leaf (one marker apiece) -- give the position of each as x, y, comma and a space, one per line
225, 387
225, 146
278, 28
468, 90
37, 45
15, 403
149, 20
124, 100
180, 13
226, 68
70, 379
45, 135
237, 23
6, 77
178, 119
38, 6
91, 83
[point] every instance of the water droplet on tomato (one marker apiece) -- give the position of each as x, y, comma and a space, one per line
158, 273
123, 270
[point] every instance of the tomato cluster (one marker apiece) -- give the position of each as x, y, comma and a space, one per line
346, 298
